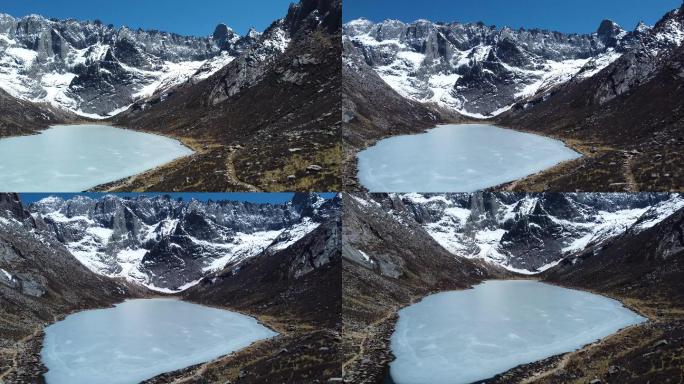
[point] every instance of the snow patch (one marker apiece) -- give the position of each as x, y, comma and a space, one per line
609, 224
7, 274
366, 257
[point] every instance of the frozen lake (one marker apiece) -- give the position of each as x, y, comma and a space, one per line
74, 158
465, 336
457, 158
139, 339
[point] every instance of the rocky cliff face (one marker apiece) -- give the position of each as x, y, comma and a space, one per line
529, 233
643, 262
482, 70
169, 244
97, 70
285, 274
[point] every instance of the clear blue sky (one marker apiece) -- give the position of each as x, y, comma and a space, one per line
580, 16
195, 18
271, 198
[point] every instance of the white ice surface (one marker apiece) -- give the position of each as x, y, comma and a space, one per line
465, 336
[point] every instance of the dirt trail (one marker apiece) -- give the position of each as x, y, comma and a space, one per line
232, 174
15, 352
632, 185
371, 328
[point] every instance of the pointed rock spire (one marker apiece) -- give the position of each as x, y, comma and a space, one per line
222, 32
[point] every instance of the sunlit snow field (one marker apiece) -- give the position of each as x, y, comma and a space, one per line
74, 158
457, 158
140, 339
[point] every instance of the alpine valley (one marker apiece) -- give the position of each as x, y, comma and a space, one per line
399, 248
279, 263
613, 95
261, 111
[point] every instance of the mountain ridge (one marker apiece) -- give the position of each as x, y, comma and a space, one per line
169, 245
611, 95
70, 61
468, 54
531, 233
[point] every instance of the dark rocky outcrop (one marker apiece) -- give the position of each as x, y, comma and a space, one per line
20, 117
298, 290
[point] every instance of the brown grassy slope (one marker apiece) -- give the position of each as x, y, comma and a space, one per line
277, 128
19, 117
304, 309
636, 138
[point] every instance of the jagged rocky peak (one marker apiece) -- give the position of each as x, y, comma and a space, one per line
68, 63
357, 27
530, 233
642, 28
169, 244
253, 33
482, 71
610, 32
223, 33
10, 203
303, 199
310, 14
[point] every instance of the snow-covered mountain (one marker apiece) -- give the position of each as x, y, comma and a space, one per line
97, 70
169, 245
529, 233
481, 71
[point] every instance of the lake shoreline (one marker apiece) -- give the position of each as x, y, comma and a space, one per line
179, 333
204, 149
191, 144
351, 169
29, 350
106, 150
528, 370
